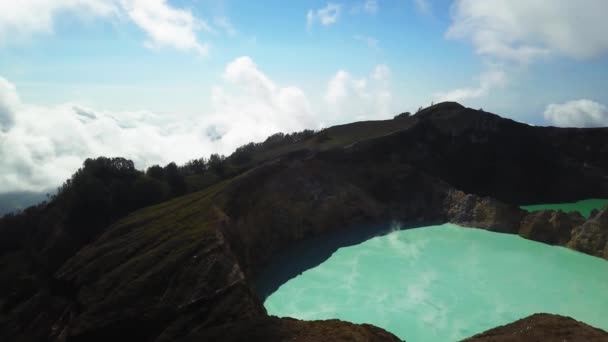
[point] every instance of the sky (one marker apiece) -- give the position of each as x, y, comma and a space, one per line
157, 81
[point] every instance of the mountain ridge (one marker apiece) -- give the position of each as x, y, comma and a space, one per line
185, 268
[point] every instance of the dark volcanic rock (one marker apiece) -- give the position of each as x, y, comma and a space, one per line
592, 236
551, 227
545, 328
482, 212
481, 153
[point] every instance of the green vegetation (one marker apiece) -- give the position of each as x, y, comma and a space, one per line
584, 207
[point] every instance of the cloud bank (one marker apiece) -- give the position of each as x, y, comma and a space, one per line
40, 146
577, 113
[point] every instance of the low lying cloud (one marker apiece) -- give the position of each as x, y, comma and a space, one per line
164, 25
41, 146
577, 113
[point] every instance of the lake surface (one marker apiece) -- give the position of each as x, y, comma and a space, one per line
584, 207
445, 283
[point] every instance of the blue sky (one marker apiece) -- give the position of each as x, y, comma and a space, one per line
156, 74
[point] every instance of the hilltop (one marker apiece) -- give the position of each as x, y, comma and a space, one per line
172, 255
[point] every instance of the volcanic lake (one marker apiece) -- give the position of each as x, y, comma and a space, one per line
444, 283
584, 207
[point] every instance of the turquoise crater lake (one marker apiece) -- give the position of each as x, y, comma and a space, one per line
584, 206
445, 283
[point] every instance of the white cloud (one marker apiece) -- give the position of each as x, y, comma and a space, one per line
45, 144
19, 19
577, 113
251, 106
423, 6
9, 103
523, 30
381, 72
327, 15
360, 98
371, 42
225, 24
515, 33
488, 80
164, 25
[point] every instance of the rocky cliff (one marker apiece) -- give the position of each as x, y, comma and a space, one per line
185, 269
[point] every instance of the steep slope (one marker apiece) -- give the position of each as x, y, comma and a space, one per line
184, 269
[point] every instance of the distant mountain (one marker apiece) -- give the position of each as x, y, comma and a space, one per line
171, 254
18, 200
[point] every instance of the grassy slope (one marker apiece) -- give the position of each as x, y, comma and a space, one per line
339, 136
160, 259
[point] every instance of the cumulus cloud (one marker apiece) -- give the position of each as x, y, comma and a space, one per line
251, 106
488, 80
523, 30
363, 98
43, 145
577, 113
327, 15
516, 33
164, 25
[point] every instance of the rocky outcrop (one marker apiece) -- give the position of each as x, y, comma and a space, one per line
551, 227
591, 237
482, 212
542, 327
